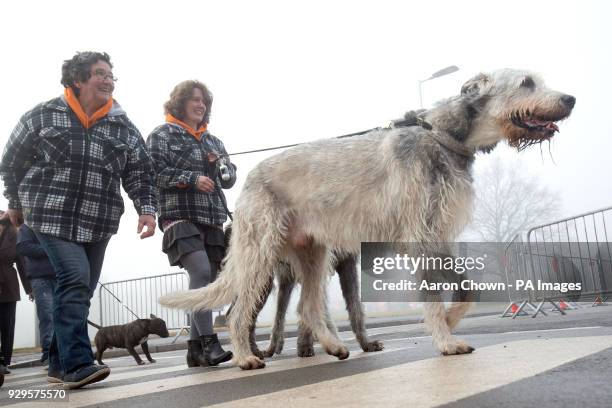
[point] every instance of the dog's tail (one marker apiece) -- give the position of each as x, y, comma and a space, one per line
217, 294
94, 325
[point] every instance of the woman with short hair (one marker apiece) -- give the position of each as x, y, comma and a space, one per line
63, 167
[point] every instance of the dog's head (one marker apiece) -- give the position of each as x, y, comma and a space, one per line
513, 105
158, 326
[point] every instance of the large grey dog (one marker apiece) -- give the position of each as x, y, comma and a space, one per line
408, 184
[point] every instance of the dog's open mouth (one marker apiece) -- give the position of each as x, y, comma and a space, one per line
543, 125
538, 128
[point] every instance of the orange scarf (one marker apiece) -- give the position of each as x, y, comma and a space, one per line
195, 133
86, 121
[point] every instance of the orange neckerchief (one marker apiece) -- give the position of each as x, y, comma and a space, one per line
75, 105
195, 133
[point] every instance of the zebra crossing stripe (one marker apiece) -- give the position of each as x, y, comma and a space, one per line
104, 394
435, 381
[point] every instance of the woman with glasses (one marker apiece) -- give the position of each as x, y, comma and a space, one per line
62, 168
192, 207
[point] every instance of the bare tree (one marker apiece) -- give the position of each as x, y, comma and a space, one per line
509, 201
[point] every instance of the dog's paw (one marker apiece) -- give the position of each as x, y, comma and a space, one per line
305, 350
274, 348
250, 363
271, 350
375, 345
458, 347
258, 353
141, 362
341, 352
153, 360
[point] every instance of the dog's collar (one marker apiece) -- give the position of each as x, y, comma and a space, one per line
443, 138
452, 144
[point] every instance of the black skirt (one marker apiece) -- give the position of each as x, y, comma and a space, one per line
185, 237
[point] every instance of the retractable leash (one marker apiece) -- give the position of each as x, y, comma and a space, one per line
216, 165
222, 167
363, 132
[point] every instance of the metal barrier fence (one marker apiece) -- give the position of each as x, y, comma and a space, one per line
517, 265
123, 301
571, 250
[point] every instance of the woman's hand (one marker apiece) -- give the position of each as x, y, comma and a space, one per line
146, 220
205, 184
16, 217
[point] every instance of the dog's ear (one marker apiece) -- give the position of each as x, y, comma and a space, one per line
152, 316
475, 85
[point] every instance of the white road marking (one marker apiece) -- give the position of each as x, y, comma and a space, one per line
436, 381
98, 394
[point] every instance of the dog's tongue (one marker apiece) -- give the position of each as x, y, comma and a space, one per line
543, 123
552, 126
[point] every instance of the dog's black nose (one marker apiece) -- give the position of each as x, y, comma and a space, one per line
568, 100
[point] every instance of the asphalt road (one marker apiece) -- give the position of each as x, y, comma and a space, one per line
555, 361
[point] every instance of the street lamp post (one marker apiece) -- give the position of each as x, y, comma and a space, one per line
445, 71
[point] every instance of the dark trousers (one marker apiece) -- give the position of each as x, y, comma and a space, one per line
77, 270
7, 331
43, 289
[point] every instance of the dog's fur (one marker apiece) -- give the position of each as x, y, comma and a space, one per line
408, 184
129, 336
346, 267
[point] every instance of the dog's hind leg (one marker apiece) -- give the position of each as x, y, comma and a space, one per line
260, 304
240, 322
305, 340
252, 291
312, 270
347, 274
286, 283
258, 237
435, 321
99, 352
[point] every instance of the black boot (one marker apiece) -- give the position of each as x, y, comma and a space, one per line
195, 357
213, 353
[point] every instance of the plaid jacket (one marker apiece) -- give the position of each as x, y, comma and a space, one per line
179, 159
66, 179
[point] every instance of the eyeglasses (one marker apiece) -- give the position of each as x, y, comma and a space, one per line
103, 75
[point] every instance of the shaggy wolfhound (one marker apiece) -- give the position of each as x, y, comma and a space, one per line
406, 184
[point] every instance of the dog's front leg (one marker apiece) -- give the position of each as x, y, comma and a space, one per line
145, 349
435, 321
134, 354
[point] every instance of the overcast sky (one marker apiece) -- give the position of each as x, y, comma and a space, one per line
285, 71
